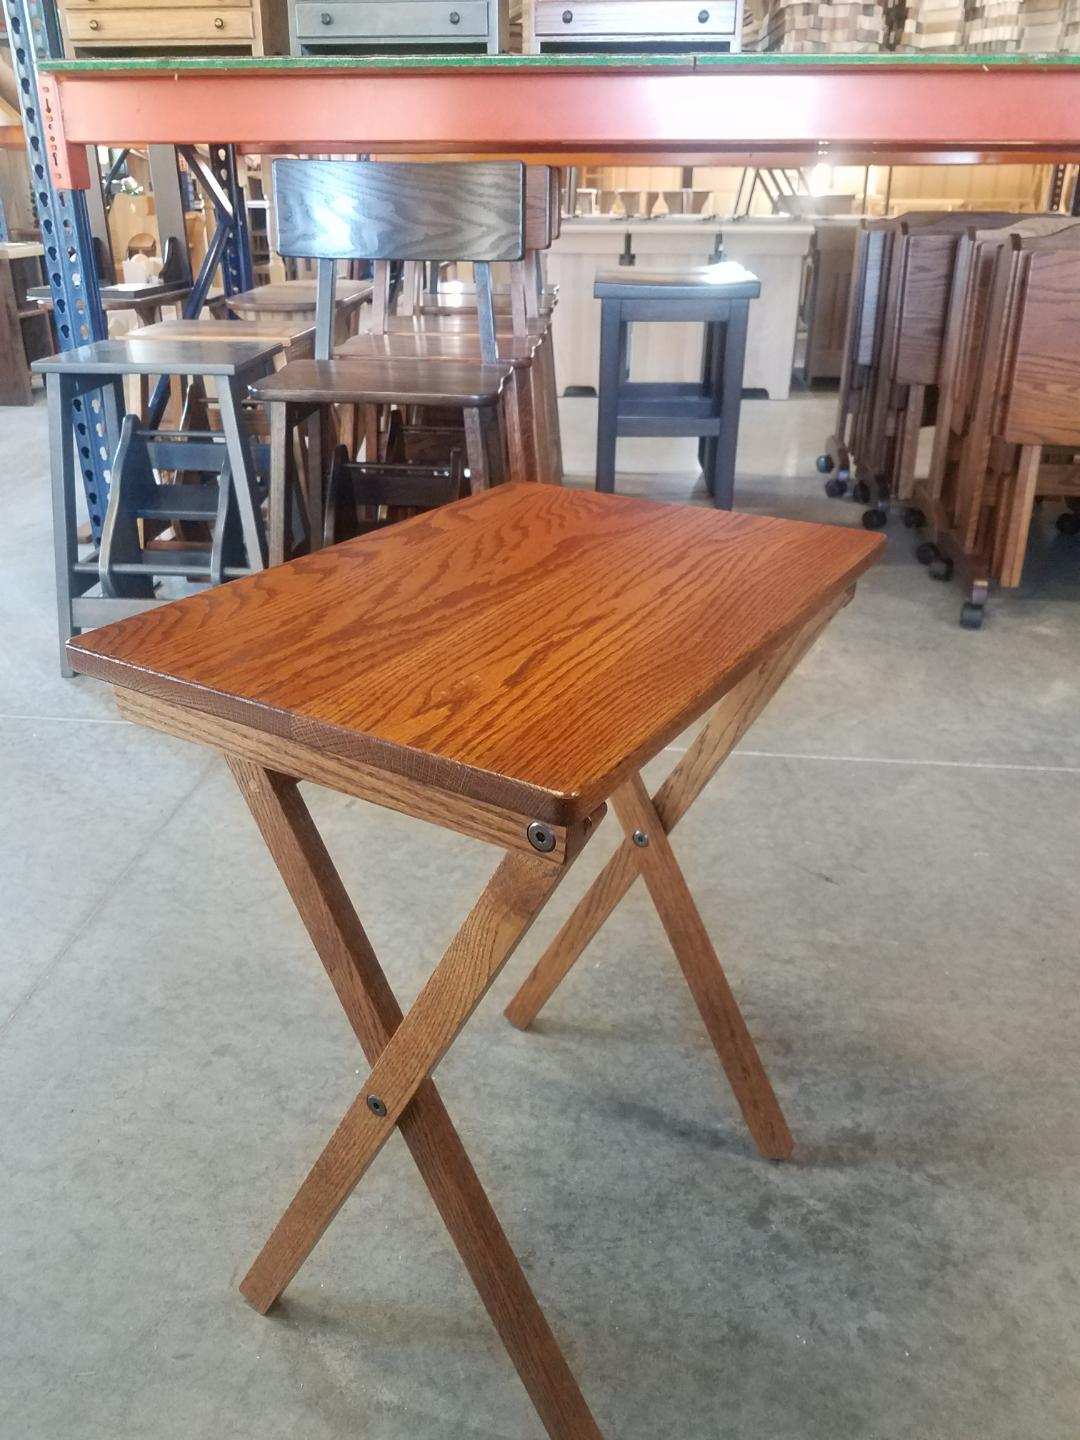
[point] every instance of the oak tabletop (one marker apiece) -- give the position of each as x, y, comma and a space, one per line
529, 646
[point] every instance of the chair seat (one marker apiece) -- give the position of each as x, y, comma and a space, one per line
297, 295
294, 334
435, 345
727, 280
464, 323
410, 381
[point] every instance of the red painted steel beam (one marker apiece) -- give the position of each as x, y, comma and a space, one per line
847, 113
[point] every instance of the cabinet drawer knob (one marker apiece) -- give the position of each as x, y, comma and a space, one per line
326, 18
95, 24
455, 18
567, 16
219, 23
703, 17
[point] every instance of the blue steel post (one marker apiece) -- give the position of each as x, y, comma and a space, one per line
33, 31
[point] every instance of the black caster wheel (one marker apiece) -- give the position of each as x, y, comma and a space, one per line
843, 474
1068, 523
860, 492
914, 519
926, 553
825, 464
971, 616
874, 519
835, 487
941, 568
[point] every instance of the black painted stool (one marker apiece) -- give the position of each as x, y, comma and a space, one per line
717, 296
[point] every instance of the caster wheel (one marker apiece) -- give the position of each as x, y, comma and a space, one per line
1068, 524
926, 553
843, 474
835, 487
825, 464
941, 568
874, 519
914, 519
971, 616
860, 492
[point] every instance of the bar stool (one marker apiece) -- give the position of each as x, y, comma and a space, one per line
718, 296
388, 212
221, 493
293, 302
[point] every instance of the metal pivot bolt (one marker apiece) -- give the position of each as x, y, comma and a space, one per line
455, 18
541, 837
219, 23
567, 16
640, 838
375, 1105
703, 16
326, 18
95, 24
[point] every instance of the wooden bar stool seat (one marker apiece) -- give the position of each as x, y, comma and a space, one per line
297, 336
501, 668
717, 296
295, 298
526, 430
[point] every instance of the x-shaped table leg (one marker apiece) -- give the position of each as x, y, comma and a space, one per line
399, 1092
656, 863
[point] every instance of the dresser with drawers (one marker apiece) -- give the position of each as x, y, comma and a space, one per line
352, 27
103, 27
669, 26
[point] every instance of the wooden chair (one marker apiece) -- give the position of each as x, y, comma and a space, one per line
333, 210
440, 322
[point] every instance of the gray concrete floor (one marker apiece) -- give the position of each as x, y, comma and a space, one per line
889, 868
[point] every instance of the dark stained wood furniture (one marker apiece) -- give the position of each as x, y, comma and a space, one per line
25, 329
330, 211
719, 297
501, 667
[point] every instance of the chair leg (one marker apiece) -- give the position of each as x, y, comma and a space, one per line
607, 417
729, 378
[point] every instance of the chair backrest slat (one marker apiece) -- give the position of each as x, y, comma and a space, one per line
384, 210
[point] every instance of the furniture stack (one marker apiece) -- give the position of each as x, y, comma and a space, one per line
1008, 433
826, 296
902, 279
363, 429
799, 27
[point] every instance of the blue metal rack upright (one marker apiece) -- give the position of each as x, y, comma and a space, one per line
78, 314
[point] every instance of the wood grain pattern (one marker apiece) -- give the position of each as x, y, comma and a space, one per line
723, 730
702, 970
514, 896
350, 777
379, 210
528, 647
1041, 403
406, 381
374, 1014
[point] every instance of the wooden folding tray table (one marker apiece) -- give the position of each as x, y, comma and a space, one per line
502, 667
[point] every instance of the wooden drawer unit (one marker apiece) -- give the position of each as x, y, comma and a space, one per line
635, 24
359, 26
256, 27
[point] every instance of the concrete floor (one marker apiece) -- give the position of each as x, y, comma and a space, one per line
889, 868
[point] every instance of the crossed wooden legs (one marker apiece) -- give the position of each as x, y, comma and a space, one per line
402, 1053
647, 852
